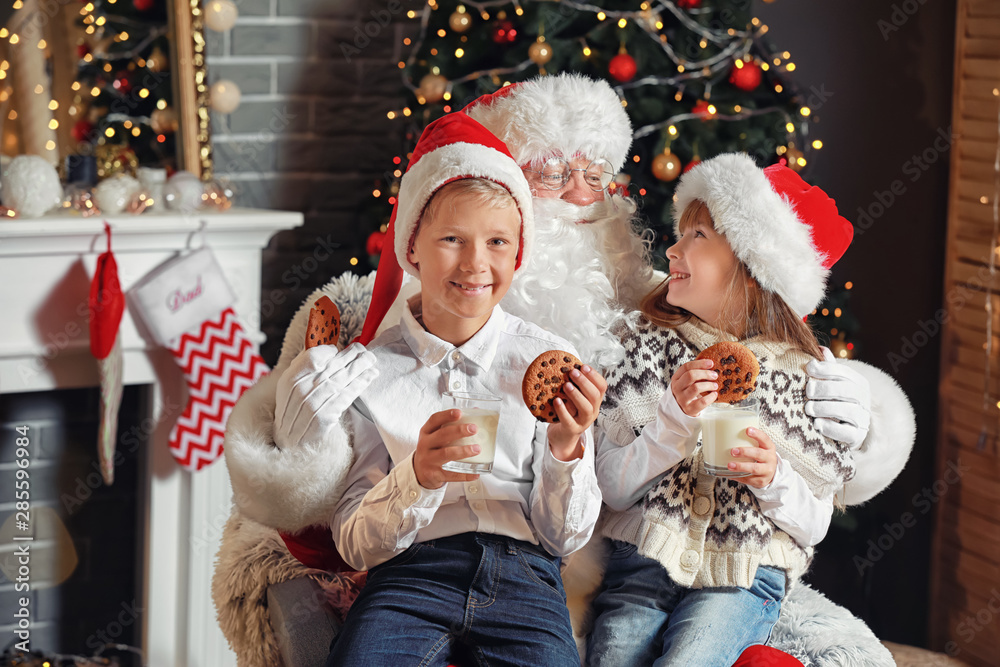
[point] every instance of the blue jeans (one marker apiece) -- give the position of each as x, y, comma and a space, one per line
471, 599
643, 618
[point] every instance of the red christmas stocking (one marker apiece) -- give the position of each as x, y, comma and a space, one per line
186, 305
219, 364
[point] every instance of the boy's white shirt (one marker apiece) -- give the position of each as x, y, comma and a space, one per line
626, 473
530, 495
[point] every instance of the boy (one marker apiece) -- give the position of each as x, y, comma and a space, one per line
460, 565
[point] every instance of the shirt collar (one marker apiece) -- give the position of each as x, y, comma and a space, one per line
481, 349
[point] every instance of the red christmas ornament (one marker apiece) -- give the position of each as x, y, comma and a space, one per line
689, 4
695, 161
622, 67
122, 83
701, 109
746, 76
82, 131
375, 242
504, 32
143, 5
82, 50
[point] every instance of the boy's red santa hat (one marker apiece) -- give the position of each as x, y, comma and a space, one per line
563, 115
787, 232
452, 148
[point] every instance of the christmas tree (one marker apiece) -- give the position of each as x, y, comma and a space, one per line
697, 78
122, 93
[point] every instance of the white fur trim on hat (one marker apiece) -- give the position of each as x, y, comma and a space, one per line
566, 114
448, 163
761, 226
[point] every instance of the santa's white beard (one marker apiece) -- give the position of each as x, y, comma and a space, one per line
583, 281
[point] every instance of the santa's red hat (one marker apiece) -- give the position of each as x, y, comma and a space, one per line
562, 115
788, 233
452, 148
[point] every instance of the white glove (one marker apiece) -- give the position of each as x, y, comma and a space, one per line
316, 389
840, 400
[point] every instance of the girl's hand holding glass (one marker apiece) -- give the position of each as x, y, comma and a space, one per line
765, 460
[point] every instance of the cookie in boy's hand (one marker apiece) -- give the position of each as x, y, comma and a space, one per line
737, 367
324, 323
544, 380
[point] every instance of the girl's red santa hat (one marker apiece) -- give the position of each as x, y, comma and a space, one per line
563, 115
452, 148
788, 233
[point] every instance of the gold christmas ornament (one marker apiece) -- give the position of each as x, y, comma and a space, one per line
115, 159
158, 60
796, 161
540, 52
666, 166
432, 88
164, 121
460, 20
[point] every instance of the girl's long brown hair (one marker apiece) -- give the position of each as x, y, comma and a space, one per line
767, 314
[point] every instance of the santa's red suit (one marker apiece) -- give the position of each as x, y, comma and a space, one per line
583, 283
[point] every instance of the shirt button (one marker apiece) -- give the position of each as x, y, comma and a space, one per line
413, 494
473, 489
455, 356
477, 505
702, 505
456, 385
690, 559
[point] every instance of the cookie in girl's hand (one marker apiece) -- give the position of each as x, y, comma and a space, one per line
737, 367
324, 323
543, 383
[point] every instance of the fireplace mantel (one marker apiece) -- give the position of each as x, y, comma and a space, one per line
45, 269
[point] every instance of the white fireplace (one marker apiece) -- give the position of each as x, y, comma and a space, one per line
45, 270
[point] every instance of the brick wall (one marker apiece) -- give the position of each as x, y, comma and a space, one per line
311, 133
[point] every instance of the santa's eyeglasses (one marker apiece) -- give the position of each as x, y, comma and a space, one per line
556, 172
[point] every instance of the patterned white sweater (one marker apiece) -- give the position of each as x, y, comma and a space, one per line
708, 531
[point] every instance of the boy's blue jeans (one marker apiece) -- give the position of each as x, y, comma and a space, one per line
475, 599
641, 617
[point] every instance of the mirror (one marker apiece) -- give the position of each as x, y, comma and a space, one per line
121, 80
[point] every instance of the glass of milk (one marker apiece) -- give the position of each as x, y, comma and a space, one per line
483, 410
724, 426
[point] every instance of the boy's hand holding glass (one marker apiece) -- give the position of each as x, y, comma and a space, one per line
694, 386
764, 464
435, 447
316, 389
586, 392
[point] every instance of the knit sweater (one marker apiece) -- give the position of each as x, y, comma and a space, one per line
709, 531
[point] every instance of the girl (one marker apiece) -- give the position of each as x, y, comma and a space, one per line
699, 564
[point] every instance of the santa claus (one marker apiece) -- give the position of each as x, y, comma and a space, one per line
589, 270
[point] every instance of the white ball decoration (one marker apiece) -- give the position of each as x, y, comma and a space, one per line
225, 96
220, 15
183, 192
31, 186
112, 195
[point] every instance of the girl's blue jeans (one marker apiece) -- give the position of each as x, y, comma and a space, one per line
472, 599
641, 617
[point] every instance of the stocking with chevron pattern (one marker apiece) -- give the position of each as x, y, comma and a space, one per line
219, 364
187, 306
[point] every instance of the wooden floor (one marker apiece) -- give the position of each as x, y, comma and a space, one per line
911, 656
